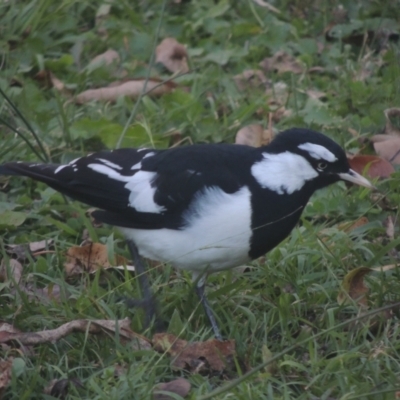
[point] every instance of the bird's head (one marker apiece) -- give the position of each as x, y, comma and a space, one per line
300, 157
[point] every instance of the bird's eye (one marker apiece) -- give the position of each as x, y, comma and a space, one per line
322, 165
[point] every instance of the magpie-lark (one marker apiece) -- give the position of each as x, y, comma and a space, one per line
203, 208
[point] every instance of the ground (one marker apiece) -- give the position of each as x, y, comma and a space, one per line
331, 66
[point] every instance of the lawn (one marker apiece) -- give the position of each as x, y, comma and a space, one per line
318, 316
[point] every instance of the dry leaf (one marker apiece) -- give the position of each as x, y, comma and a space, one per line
281, 62
49, 80
107, 58
90, 258
197, 357
388, 145
392, 121
6, 329
372, 166
172, 55
266, 355
132, 89
80, 325
5, 374
49, 292
263, 3
389, 227
353, 132
23, 251
353, 287
250, 79
10, 271
384, 268
315, 94
279, 94
389, 149
351, 225
253, 135
179, 386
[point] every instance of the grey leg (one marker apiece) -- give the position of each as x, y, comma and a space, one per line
202, 296
148, 302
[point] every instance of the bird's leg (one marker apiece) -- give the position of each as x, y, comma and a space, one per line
148, 301
200, 291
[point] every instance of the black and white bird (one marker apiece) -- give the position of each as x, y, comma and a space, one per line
203, 208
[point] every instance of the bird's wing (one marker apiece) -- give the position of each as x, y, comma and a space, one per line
145, 189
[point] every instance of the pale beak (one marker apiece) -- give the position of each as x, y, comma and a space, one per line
353, 177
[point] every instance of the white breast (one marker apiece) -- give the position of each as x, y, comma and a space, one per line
217, 234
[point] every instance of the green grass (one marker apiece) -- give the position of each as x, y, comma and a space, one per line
280, 301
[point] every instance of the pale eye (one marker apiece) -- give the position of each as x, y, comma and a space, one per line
322, 165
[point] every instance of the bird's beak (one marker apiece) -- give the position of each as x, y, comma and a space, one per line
353, 177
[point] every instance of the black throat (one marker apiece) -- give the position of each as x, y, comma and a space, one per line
274, 216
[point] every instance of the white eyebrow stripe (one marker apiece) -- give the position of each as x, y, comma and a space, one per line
318, 152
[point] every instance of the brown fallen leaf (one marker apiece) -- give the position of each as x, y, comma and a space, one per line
49, 80
132, 89
179, 386
250, 79
372, 166
253, 135
107, 58
197, 357
80, 325
353, 287
349, 226
172, 55
90, 258
281, 62
5, 374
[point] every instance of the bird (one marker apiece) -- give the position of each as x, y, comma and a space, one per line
205, 207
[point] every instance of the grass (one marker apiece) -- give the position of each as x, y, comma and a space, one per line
283, 299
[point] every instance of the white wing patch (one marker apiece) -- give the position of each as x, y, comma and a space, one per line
139, 164
142, 193
61, 167
70, 164
109, 163
318, 152
283, 172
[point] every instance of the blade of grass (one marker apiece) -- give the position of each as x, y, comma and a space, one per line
27, 124
261, 366
143, 92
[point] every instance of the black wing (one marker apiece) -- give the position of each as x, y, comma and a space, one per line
145, 189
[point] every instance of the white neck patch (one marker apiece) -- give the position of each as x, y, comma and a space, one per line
283, 173
318, 152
